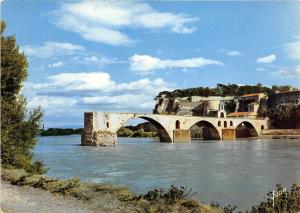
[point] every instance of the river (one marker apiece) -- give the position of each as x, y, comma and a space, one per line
238, 172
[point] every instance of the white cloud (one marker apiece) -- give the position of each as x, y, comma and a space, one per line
93, 59
82, 81
292, 49
233, 53
290, 72
261, 69
145, 64
47, 102
51, 49
94, 89
102, 21
149, 87
230, 52
68, 54
266, 59
56, 64
125, 101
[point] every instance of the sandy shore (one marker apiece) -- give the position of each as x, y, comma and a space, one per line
15, 199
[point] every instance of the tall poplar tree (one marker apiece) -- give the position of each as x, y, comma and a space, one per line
19, 128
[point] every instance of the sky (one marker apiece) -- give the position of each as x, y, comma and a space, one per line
118, 55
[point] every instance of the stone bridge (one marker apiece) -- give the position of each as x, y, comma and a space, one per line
100, 128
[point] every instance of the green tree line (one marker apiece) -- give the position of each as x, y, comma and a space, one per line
226, 90
59, 131
126, 132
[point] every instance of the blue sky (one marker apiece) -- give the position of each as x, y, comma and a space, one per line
116, 56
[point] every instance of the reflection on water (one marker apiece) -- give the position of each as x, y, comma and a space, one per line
236, 172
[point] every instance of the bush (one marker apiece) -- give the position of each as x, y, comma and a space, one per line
64, 187
83, 192
190, 204
172, 195
37, 168
43, 182
140, 133
124, 132
12, 175
20, 181
122, 193
284, 202
227, 209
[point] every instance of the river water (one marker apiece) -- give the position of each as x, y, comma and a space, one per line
238, 172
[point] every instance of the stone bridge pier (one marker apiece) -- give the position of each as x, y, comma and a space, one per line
100, 128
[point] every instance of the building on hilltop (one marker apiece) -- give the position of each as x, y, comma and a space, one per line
248, 105
245, 100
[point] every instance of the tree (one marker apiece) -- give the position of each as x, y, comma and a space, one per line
224, 90
19, 128
124, 132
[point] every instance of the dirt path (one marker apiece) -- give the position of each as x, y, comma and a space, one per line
15, 199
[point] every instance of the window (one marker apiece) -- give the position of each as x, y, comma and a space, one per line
107, 124
231, 123
262, 127
219, 123
177, 124
225, 124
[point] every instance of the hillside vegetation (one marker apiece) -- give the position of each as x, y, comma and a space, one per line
226, 90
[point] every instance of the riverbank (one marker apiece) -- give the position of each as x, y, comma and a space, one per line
23, 192
281, 134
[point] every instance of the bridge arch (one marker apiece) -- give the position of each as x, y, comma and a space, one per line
163, 134
209, 131
246, 129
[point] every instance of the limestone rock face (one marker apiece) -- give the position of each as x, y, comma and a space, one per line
192, 106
